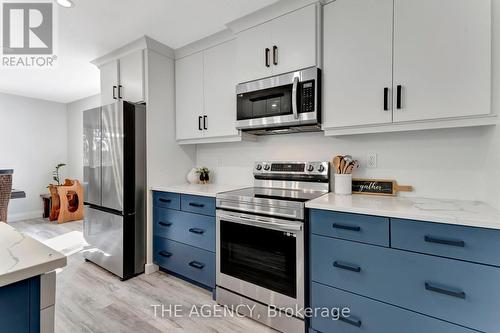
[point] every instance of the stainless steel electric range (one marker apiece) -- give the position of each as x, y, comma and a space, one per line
261, 242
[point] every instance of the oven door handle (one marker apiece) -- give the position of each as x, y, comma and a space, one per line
295, 88
260, 221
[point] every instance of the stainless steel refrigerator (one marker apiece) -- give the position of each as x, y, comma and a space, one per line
114, 170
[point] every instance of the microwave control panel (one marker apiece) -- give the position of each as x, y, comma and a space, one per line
307, 96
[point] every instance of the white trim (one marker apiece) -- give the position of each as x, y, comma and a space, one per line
24, 216
204, 43
142, 43
217, 139
151, 268
267, 14
487, 120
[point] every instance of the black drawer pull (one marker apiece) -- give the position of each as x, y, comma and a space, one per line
165, 224
444, 291
451, 242
197, 205
352, 322
352, 268
197, 231
165, 254
346, 227
165, 200
196, 264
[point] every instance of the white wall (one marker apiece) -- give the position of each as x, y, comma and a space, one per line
32, 141
75, 134
453, 163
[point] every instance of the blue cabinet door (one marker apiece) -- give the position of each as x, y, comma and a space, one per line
20, 306
167, 200
198, 204
371, 316
459, 292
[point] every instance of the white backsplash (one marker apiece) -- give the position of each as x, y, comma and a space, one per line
449, 163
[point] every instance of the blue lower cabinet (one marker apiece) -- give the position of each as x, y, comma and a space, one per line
369, 316
198, 204
459, 292
20, 306
192, 229
193, 263
359, 228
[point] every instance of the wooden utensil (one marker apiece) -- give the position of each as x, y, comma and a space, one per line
336, 163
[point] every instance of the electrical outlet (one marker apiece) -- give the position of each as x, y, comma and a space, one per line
371, 160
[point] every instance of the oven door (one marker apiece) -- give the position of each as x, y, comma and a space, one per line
261, 258
285, 100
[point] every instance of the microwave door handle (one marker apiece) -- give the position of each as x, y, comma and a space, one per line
294, 97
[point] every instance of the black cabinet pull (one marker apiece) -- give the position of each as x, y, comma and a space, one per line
197, 205
120, 91
349, 321
196, 264
440, 290
165, 254
114, 92
164, 200
205, 122
386, 99
347, 267
275, 55
346, 227
165, 224
197, 231
451, 242
266, 55
398, 96
199, 123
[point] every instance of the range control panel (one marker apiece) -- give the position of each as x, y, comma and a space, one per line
291, 168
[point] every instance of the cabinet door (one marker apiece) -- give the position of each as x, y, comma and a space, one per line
442, 58
293, 42
220, 90
132, 77
357, 62
251, 53
189, 96
109, 82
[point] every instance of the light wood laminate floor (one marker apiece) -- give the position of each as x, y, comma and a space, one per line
89, 299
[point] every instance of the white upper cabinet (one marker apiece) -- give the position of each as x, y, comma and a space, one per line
220, 90
254, 53
357, 62
397, 65
189, 109
132, 87
284, 44
109, 82
123, 79
293, 38
442, 58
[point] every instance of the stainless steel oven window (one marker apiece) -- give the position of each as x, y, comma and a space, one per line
261, 258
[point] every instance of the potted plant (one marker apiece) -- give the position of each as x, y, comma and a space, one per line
204, 175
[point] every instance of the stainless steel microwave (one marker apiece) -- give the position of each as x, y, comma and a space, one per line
285, 103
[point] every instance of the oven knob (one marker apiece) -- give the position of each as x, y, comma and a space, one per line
310, 168
267, 167
321, 168
258, 167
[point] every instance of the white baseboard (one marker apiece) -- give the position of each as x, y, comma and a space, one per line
150, 268
36, 214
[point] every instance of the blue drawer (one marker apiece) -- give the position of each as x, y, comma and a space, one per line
465, 243
192, 229
198, 204
193, 263
360, 228
167, 200
459, 292
371, 316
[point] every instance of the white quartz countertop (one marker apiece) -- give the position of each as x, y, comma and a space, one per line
465, 213
22, 257
208, 190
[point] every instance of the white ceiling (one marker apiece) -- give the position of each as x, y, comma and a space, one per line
93, 28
